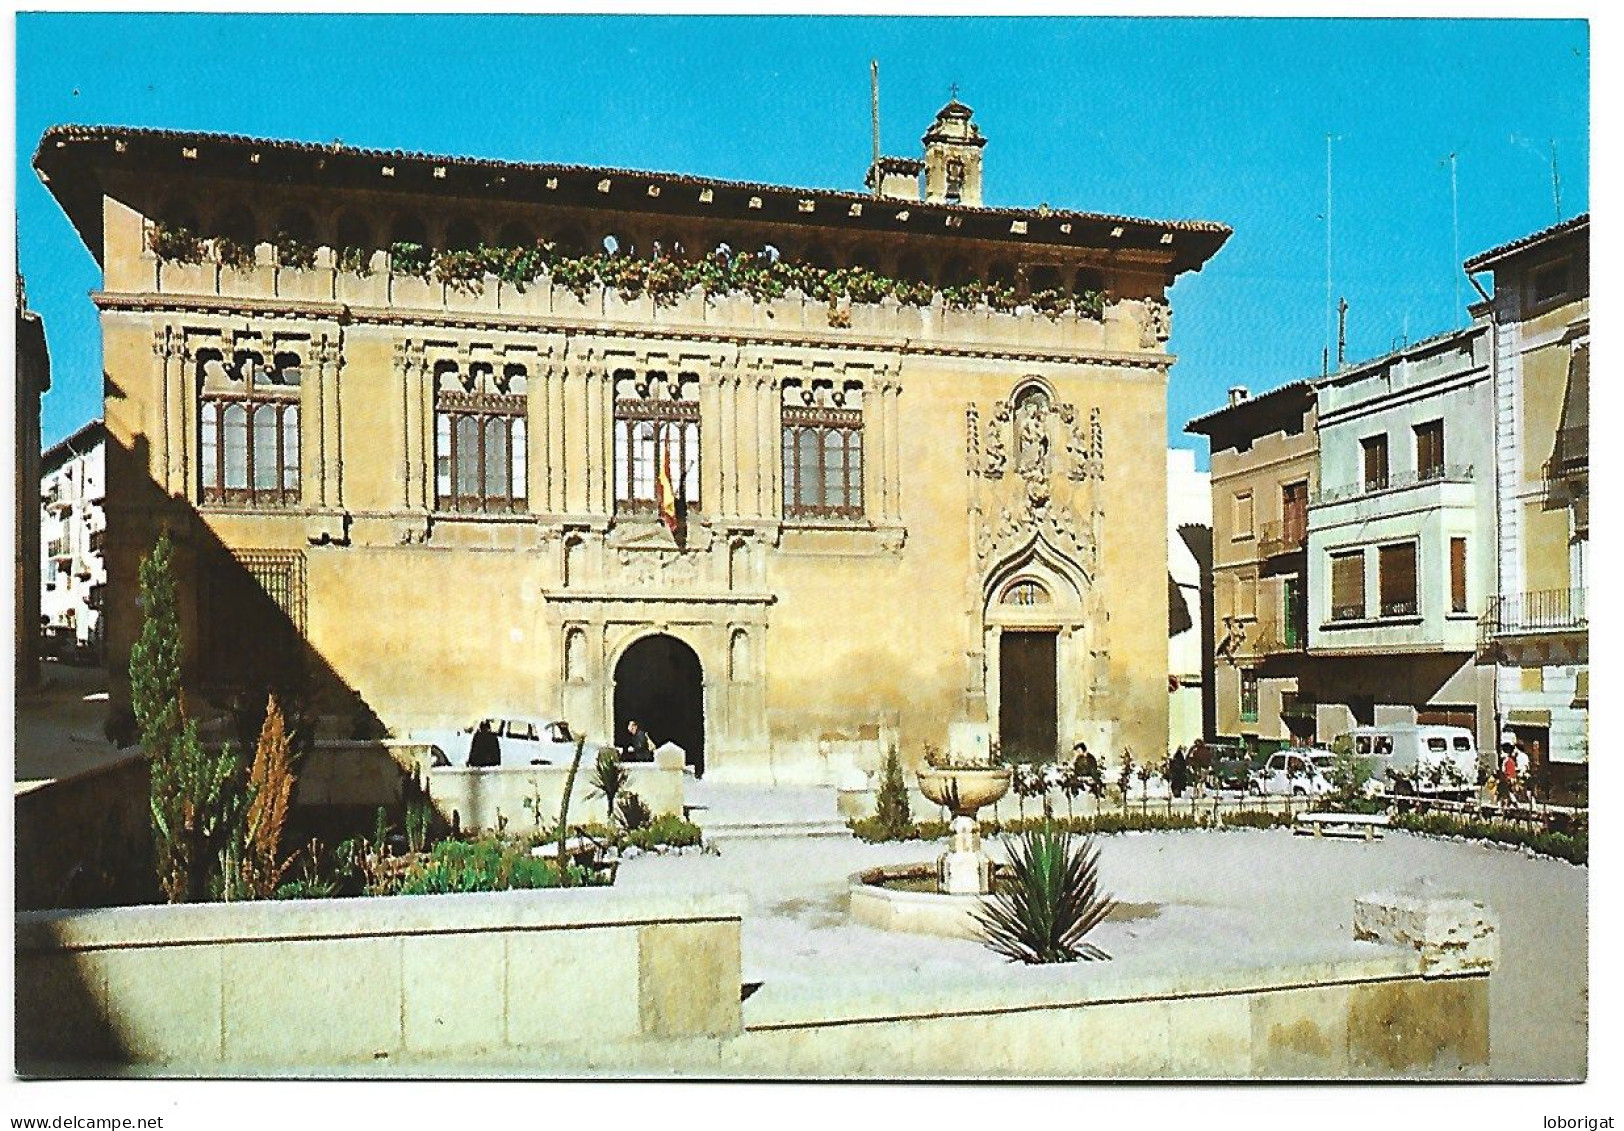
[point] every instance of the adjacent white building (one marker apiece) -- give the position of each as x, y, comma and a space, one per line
1189, 575
73, 524
1401, 538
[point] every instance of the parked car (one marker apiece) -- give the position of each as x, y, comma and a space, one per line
1416, 758
1291, 773
524, 741
1231, 770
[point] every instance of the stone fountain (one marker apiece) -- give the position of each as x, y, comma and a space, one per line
909, 897
963, 790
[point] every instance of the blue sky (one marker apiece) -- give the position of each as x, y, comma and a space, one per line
1216, 119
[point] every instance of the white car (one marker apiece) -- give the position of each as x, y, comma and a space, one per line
1292, 773
524, 741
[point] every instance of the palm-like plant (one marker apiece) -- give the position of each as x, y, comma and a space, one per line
1051, 900
608, 778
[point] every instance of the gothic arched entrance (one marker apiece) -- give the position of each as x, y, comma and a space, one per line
659, 682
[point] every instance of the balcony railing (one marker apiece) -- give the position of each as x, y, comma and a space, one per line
1348, 612
1283, 536
1542, 610
1298, 708
1571, 454
1444, 473
58, 548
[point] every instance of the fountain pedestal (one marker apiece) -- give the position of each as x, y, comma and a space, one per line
964, 869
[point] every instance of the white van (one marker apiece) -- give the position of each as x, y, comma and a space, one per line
1416, 758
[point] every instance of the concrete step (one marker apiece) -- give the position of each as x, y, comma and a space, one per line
771, 830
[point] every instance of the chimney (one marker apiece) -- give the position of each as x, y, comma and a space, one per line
1237, 394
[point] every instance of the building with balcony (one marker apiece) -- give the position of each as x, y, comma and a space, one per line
1401, 538
31, 378
73, 528
445, 437
1264, 468
1535, 629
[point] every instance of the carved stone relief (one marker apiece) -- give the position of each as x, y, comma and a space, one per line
1050, 451
1155, 325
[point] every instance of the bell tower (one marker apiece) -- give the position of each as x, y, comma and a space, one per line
953, 147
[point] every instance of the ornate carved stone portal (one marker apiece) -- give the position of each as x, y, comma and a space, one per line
1038, 531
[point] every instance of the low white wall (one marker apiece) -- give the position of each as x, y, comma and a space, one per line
349, 982
482, 798
473, 798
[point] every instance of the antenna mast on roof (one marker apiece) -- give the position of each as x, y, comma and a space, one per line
874, 115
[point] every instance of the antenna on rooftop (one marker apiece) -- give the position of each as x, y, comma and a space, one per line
874, 111
1454, 213
1328, 292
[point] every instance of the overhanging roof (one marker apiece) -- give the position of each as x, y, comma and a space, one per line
1487, 259
69, 156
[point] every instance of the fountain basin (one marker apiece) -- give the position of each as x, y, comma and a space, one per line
891, 899
964, 789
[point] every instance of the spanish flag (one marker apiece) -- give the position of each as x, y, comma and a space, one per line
664, 497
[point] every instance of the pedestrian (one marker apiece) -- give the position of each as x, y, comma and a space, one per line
1177, 772
1521, 756
639, 744
486, 748
1507, 778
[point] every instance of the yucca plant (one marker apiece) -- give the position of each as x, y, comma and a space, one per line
609, 777
634, 812
1049, 902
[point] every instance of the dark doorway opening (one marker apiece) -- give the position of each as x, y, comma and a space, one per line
658, 682
1026, 696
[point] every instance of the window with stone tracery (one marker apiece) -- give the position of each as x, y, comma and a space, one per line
656, 421
248, 422
823, 449
479, 438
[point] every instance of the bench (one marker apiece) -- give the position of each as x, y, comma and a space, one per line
1368, 825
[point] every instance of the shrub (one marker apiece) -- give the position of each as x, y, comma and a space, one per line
1573, 847
666, 829
409, 259
1260, 819
270, 785
1051, 901
486, 864
196, 799
233, 253
174, 245
634, 812
356, 260
891, 802
291, 251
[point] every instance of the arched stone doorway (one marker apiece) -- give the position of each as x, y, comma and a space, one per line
659, 682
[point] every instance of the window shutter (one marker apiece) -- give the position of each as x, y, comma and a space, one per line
1457, 575
1348, 586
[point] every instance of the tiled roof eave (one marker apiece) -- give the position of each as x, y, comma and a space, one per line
60, 137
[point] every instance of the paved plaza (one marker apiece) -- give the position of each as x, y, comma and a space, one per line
1193, 901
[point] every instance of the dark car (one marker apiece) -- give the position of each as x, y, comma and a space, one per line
1231, 770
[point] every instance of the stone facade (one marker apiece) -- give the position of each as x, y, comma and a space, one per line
1265, 464
1536, 630
1003, 473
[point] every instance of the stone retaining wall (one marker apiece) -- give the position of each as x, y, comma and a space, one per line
570, 983
349, 983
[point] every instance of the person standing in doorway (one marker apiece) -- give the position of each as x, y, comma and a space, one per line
486, 748
639, 744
